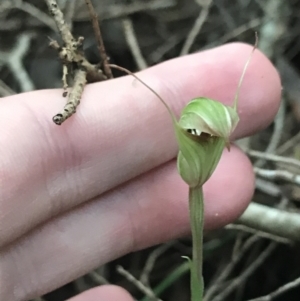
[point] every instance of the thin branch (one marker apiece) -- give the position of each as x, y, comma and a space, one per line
196, 28
133, 44
274, 158
246, 273
272, 175
145, 290
259, 233
71, 54
37, 13
288, 144
73, 98
268, 187
62, 26
283, 289
99, 39
144, 278
31, 10
277, 133
229, 268
14, 60
162, 49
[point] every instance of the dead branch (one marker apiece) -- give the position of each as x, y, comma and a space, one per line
274, 158
259, 233
144, 278
99, 39
268, 187
29, 9
273, 175
145, 290
196, 28
246, 273
14, 61
229, 267
71, 54
73, 98
277, 132
133, 44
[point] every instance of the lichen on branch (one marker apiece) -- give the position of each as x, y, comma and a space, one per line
73, 59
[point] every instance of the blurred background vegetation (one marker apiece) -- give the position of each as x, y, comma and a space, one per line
241, 262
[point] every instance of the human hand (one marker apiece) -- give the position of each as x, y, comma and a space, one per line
103, 184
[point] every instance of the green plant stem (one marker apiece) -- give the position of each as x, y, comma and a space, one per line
208, 250
196, 207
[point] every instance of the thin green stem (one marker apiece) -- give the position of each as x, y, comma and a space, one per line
196, 207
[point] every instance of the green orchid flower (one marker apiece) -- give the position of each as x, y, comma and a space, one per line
202, 133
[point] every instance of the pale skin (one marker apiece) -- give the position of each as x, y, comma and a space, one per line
104, 184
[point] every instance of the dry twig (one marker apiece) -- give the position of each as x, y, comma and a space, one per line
196, 28
71, 54
273, 175
133, 44
246, 273
74, 97
288, 144
144, 278
268, 187
14, 60
274, 158
259, 233
277, 133
31, 10
228, 269
99, 39
147, 291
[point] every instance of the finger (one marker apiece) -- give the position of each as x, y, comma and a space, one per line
120, 131
147, 211
104, 293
